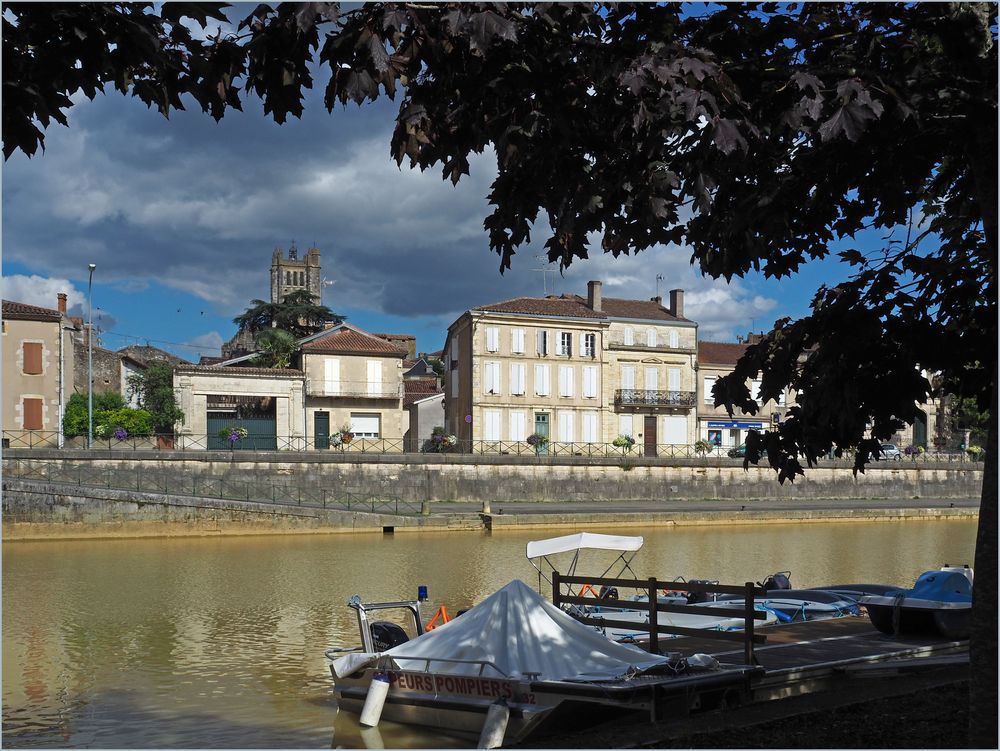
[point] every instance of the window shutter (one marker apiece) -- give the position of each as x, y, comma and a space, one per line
589, 427
492, 339
566, 380
517, 378
673, 379
374, 377
517, 341
650, 337
590, 382
629, 337
331, 385
625, 425
709, 385
674, 340
566, 427
542, 380
32, 359
491, 428
628, 377
652, 379
542, 340
517, 426
31, 409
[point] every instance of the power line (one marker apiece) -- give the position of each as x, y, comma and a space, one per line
139, 339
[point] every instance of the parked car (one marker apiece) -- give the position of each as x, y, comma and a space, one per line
890, 452
740, 451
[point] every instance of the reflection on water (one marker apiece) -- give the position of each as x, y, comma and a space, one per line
219, 643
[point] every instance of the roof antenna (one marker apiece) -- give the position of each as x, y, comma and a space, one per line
545, 279
659, 278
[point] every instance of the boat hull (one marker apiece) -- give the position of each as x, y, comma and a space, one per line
930, 618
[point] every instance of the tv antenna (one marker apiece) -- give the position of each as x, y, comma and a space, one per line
659, 278
323, 284
544, 272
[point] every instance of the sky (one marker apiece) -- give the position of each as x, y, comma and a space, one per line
181, 217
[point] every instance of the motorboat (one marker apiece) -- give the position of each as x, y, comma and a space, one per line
940, 602
499, 670
794, 605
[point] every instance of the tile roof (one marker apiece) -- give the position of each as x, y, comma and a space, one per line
395, 336
575, 306
351, 341
217, 370
417, 389
645, 309
720, 353
23, 312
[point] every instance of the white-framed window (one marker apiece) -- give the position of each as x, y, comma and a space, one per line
674, 429
709, 385
628, 376
566, 434
366, 425
565, 343
517, 378
589, 427
588, 345
673, 379
492, 339
566, 378
542, 380
754, 390
628, 337
374, 378
590, 381
331, 376
517, 341
651, 380
518, 430
625, 425
675, 339
491, 425
650, 337
491, 377
542, 342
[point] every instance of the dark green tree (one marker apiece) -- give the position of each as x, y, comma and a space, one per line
75, 416
155, 388
758, 135
276, 347
300, 314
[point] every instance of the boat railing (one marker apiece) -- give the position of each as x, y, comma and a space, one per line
483, 664
653, 605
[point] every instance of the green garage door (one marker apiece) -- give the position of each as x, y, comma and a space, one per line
262, 432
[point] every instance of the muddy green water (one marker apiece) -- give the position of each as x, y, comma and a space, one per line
218, 643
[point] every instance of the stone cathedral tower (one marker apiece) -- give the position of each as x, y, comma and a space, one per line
292, 274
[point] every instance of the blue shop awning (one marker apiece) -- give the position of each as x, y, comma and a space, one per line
736, 424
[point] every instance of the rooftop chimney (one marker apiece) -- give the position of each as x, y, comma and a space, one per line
61, 305
594, 296
677, 303
658, 300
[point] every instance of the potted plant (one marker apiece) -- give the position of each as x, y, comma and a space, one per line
624, 442
702, 447
538, 442
440, 441
346, 434
234, 434
913, 452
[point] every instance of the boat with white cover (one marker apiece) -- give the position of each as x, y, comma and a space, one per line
503, 666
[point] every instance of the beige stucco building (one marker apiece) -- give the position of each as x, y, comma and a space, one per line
38, 372
579, 370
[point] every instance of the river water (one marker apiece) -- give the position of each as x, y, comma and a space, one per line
218, 643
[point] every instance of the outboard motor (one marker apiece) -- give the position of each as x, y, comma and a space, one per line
780, 580
693, 598
386, 635
608, 593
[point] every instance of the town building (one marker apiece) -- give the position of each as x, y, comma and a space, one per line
577, 370
38, 372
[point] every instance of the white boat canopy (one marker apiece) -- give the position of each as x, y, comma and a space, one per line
515, 633
582, 540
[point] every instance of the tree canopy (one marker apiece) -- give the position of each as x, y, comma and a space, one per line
755, 135
299, 313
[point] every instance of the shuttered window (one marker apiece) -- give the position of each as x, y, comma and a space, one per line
374, 377
566, 380
652, 379
32, 358
492, 339
517, 378
629, 337
566, 434
650, 337
673, 379
590, 382
542, 380
491, 425
517, 426
628, 376
517, 341
590, 427
491, 377
674, 340
32, 410
543, 342
625, 425
331, 374
709, 385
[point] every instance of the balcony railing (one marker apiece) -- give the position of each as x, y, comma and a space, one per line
355, 389
617, 341
654, 398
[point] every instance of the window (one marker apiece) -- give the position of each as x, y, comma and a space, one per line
628, 377
625, 425
517, 341
566, 380
673, 379
650, 337
651, 379
492, 339
589, 427
709, 385
566, 434
491, 377
754, 390
491, 425
517, 378
565, 343
374, 378
629, 337
543, 342
288, 278
590, 381
453, 375
31, 409
675, 340
454, 353
781, 399
517, 426
365, 425
542, 380
32, 358
715, 437
674, 429
331, 377
588, 345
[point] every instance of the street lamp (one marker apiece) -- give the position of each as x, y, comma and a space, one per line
90, 356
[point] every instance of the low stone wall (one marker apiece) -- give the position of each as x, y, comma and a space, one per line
421, 477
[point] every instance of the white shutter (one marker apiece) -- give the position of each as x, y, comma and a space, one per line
517, 341
491, 425
517, 378
674, 340
566, 427
453, 375
542, 380
590, 382
650, 337
651, 382
628, 376
331, 374
673, 379
754, 389
492, 339
590, 427
675, 429
542, 342
492, 378
709, 385
583, 346
625, 425
374, 377
629, 337
517, 426
566, 380
454, 349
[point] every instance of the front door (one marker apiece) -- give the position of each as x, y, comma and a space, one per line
321, 429
542, 429
649, 435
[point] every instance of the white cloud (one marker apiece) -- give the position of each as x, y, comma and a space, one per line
40, 290
209, 344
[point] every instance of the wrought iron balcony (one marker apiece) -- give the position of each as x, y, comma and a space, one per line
654, 398
355, 389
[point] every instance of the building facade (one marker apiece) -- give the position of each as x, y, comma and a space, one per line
38, 372
576, 370
292, 274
